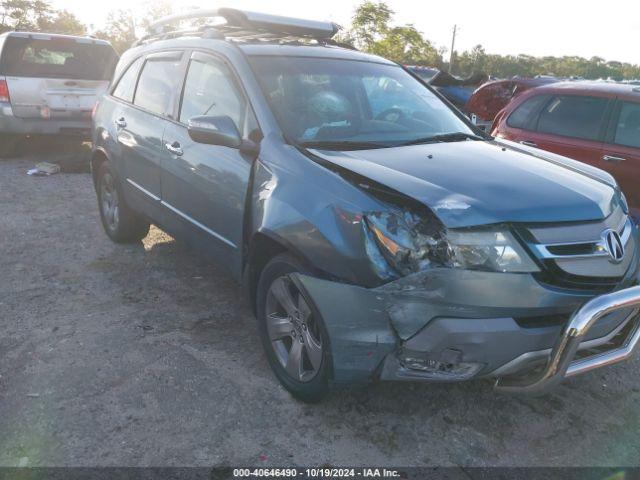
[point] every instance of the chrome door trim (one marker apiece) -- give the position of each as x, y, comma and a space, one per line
143, 190
183, 215
611, 158
198, 224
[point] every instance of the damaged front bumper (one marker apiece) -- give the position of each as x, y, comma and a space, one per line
454, 325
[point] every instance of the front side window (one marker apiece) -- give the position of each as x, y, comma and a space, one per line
157, 85
574, 116
628, 128
210, 89
318, 100
127, 84
523, 117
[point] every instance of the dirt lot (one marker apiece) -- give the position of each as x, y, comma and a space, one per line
148, 355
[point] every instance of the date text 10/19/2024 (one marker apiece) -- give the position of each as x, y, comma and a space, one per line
315, 473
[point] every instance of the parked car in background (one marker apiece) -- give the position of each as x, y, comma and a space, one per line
425, 73
49, 85
456, 90
595, 122
488, 99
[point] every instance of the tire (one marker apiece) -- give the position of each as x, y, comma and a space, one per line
310, 382
120, 222
8, 144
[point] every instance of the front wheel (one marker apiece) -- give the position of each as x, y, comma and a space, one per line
292, 333
121, 224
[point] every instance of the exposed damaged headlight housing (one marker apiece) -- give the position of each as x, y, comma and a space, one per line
409, 247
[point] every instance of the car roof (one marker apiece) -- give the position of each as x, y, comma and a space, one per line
315, 51
595, 88
49, 36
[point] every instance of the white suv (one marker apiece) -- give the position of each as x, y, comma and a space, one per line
49, 84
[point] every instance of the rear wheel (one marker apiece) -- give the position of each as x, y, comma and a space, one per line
120, 223
292, 333
8, 144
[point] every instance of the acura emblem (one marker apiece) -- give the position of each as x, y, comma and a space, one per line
613, 245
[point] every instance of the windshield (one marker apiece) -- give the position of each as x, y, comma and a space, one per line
324, 102
57, 58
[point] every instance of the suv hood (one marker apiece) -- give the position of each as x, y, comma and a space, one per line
482, 182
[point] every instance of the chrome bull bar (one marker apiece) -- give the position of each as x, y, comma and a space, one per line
561, 362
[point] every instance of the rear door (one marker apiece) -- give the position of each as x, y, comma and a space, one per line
140, 126
571, 125
56, 77
204, 186
621, 151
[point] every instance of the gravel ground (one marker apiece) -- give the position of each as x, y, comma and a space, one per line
147, 355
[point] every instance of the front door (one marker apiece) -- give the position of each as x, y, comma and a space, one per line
204, 186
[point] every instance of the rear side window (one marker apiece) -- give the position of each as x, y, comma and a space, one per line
57, 58
574, 116
127, 84
157, 85
523, 117
628, 128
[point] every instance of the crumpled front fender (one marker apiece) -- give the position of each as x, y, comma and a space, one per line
358, 326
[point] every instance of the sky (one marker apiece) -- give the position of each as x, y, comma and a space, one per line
610, 29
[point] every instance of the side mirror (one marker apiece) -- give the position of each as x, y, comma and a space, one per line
214, 131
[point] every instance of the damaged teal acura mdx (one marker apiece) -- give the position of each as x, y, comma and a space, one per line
380, 235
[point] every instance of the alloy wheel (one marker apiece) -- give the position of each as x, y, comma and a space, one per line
110, 203
294, 333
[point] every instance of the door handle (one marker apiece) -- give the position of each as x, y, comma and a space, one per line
610, 158
121, 122
174, 148
529, 143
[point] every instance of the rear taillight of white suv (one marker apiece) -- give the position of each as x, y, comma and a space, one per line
4, 91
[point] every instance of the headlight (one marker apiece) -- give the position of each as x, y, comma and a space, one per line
409, 247
489, 250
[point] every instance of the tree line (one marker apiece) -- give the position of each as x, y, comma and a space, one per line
371, 30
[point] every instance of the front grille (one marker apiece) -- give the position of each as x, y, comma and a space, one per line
553, 276
575, 249
575, 256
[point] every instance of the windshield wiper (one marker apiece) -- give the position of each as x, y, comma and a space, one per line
443, 138
342, 145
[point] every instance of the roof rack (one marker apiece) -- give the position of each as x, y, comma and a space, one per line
251, 23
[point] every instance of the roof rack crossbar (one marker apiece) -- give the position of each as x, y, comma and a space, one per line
237, 35
166, 35
254, 22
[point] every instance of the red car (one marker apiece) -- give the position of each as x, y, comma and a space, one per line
595, 122
488, 99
